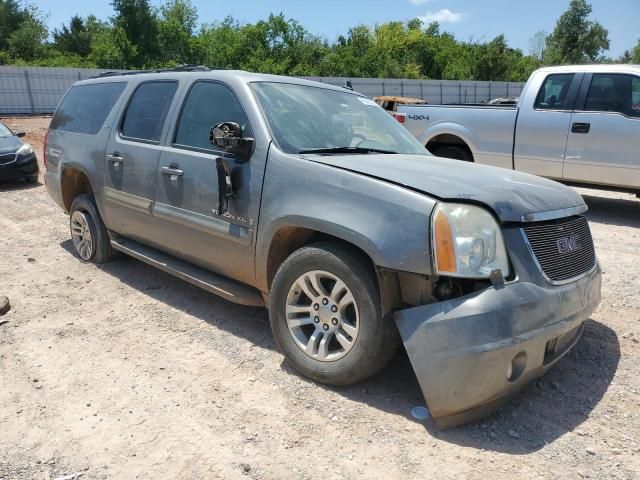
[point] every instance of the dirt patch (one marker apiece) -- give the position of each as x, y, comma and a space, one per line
122, 371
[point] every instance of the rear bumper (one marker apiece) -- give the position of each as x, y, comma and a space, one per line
462, 350
19, 168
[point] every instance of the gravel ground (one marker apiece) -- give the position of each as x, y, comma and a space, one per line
122, 371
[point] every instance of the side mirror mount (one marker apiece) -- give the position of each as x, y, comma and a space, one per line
20, 134
228, 136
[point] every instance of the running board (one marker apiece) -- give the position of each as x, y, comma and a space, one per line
212, 282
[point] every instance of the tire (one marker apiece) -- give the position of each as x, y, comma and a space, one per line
455, 152
31, 179
376, 339
85, 223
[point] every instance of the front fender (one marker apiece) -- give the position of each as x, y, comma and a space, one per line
388, 222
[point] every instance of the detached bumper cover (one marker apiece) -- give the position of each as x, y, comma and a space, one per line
462, 350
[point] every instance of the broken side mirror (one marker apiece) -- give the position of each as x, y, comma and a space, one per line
20, 134
228, 136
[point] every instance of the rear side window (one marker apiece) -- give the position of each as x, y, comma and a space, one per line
553, 93
147, 111
614, 93
208, 103
85, 107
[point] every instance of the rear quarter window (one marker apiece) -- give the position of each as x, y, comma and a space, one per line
85, 107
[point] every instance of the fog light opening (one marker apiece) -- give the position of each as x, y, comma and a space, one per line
516, 367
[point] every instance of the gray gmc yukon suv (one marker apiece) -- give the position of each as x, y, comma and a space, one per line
312, 201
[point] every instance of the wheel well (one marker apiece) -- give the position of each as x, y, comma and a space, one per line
447, 139
74, 183
289, 239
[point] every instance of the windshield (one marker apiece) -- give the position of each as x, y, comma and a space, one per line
4, 131
304, 118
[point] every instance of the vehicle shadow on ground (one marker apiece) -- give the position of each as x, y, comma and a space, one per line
613, 211
11, 185
551, 406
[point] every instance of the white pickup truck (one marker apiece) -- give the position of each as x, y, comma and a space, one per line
576, 124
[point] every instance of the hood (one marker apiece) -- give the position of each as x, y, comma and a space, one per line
510, 194
9, 144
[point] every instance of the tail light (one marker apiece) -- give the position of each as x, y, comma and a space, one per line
400, 117
44, 148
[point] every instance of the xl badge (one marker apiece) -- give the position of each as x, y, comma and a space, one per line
568, 244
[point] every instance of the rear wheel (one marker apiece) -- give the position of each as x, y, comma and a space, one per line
455, 152
88, 233
326, 317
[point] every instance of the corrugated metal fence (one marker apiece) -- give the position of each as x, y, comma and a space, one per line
37, 89
33, 90
434, 91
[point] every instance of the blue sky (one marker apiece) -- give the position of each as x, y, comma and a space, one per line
519, 20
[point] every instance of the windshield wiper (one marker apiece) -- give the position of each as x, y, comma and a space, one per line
347, 150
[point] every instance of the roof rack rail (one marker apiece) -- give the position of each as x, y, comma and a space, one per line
187, 67
178, 68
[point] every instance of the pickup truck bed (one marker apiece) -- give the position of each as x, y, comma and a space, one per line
576, 124
490, 129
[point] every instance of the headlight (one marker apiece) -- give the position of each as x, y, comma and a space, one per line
25, 149
467, 242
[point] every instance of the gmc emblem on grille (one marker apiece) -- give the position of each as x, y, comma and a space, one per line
568, 244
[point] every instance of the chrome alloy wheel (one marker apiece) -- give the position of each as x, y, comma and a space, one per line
322, 316
81, 235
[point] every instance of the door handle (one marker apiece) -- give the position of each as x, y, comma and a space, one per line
580, 127
174, 172
115, 158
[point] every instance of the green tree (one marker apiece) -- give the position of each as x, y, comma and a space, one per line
176, 26
11, 16
140, 36
218, 44
538, 45
491, 60
635, 54
26, 41
576, 39
73, 39
104, 52
136, 32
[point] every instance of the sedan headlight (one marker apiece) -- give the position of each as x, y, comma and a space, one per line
25, 149
467, 242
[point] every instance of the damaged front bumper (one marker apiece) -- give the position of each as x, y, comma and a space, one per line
471, 354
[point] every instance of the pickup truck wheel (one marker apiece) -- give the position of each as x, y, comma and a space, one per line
326, 317
455, 152
88, 233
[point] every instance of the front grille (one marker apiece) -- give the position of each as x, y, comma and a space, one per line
7, 158
564, 248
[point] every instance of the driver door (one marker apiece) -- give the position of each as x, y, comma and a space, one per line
187, 196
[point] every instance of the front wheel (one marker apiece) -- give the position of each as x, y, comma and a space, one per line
326, 317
